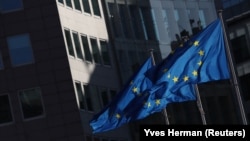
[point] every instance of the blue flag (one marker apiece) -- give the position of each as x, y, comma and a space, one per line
152, 88
119, 111
201, 59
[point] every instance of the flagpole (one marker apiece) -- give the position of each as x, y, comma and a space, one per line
165, 114
199, 105
233, 72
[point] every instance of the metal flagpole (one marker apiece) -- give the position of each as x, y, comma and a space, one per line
199, 105
233, 72
165, 114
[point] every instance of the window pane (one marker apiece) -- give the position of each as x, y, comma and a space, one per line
68, 3
69, 43
87, 94
77, 46
61, 1
149, 22
10, 5
86, 49
105, 97
86, 6
105, 53
240, 49
20, 49
92, 97
96, 54
77, 5
5, 109
80, 95
96, 7
31, 103
124, 20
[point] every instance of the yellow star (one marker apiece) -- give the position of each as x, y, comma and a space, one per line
196, 43
175, 79
185, 78
195, 73
117, 116
135, 90
200, 63
201, 53
157, 102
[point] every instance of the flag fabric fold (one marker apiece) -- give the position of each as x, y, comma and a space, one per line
201, 59
119, 110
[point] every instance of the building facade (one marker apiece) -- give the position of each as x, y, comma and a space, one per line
62, 61
237, 18
57, 70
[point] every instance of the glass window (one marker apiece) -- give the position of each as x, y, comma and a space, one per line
95, 49
86, 6
5, 110
20, 49
107, 95
86, 49
105, 53
61, 1
149, 23
77, 45
104, 95
77, 5
87, 94
143, 24
240, 49
112, 13
10, 5
69, 42
124, 20
96, 7
81, 100
202, 21
92, 97
31, 103
136, 22
68, 3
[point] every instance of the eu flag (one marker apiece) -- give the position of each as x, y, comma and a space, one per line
201, 59
119, 111
152, 88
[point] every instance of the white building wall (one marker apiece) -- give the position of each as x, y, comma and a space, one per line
91, 73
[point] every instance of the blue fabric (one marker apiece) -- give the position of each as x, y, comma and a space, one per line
201, 59
119, 110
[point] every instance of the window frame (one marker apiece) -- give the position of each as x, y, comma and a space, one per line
11, 111
20, 7
95, 4
28, 47
106, 62
96, 48
88, 56
70, 49
77, 48
41, 100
